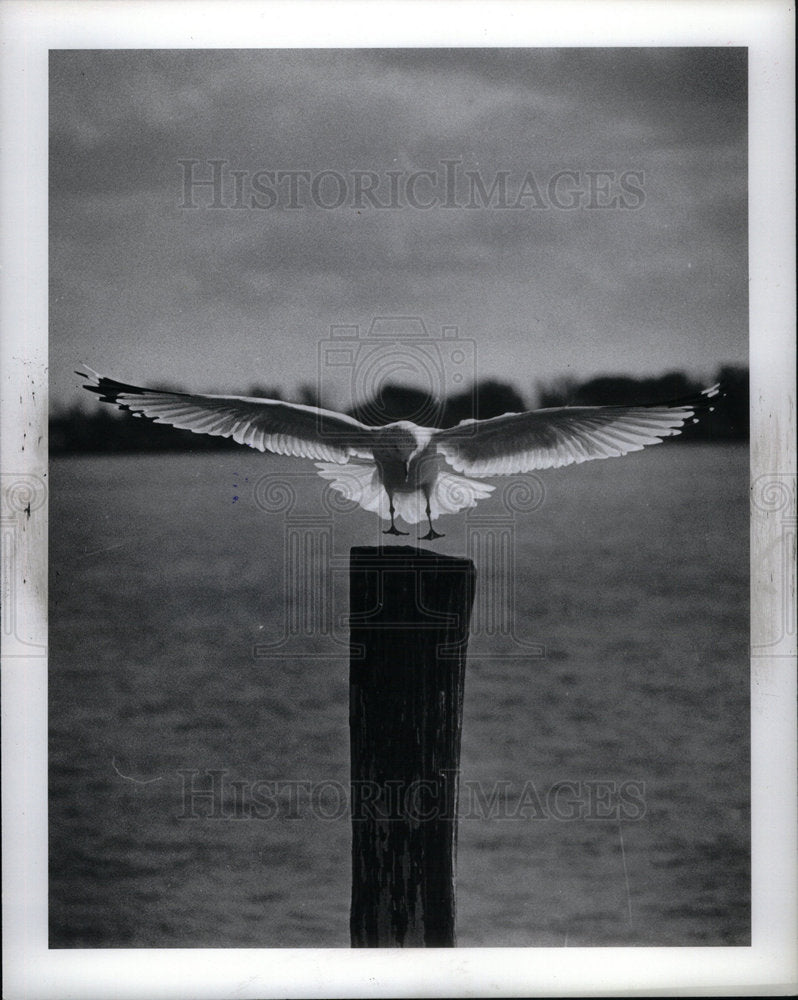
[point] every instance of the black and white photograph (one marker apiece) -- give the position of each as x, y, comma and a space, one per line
403, 240
401, 487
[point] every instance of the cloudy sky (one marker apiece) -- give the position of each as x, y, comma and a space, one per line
569, 212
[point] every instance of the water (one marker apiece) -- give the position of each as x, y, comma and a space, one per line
171, 588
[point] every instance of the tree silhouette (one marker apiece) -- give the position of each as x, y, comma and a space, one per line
103, 430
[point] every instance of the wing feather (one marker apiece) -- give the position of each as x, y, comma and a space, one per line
264, 424
550, 438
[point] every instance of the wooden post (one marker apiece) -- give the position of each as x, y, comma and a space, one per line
409, 615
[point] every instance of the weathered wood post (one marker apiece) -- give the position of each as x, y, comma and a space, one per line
409, 617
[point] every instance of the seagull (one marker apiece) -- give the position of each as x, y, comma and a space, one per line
408, 465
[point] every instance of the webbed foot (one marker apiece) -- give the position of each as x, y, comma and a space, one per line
430, 535
393, 530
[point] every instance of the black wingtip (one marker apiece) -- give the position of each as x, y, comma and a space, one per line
703, 400
108, 389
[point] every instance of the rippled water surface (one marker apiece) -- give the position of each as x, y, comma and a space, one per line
184, 653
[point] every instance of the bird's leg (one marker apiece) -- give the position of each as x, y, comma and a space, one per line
431, 533
393, 530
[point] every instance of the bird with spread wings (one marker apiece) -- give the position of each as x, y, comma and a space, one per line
402, 463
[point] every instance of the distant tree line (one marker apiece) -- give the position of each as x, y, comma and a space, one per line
727, 421
107, 430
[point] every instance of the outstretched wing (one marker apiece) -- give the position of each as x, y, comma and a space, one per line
265, 424
545, 439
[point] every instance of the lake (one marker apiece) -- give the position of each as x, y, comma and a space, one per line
199, 664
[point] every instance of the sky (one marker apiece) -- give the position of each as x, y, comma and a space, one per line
426, 216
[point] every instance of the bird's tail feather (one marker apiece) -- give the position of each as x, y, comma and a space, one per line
356, 482
453, 493
361, 485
